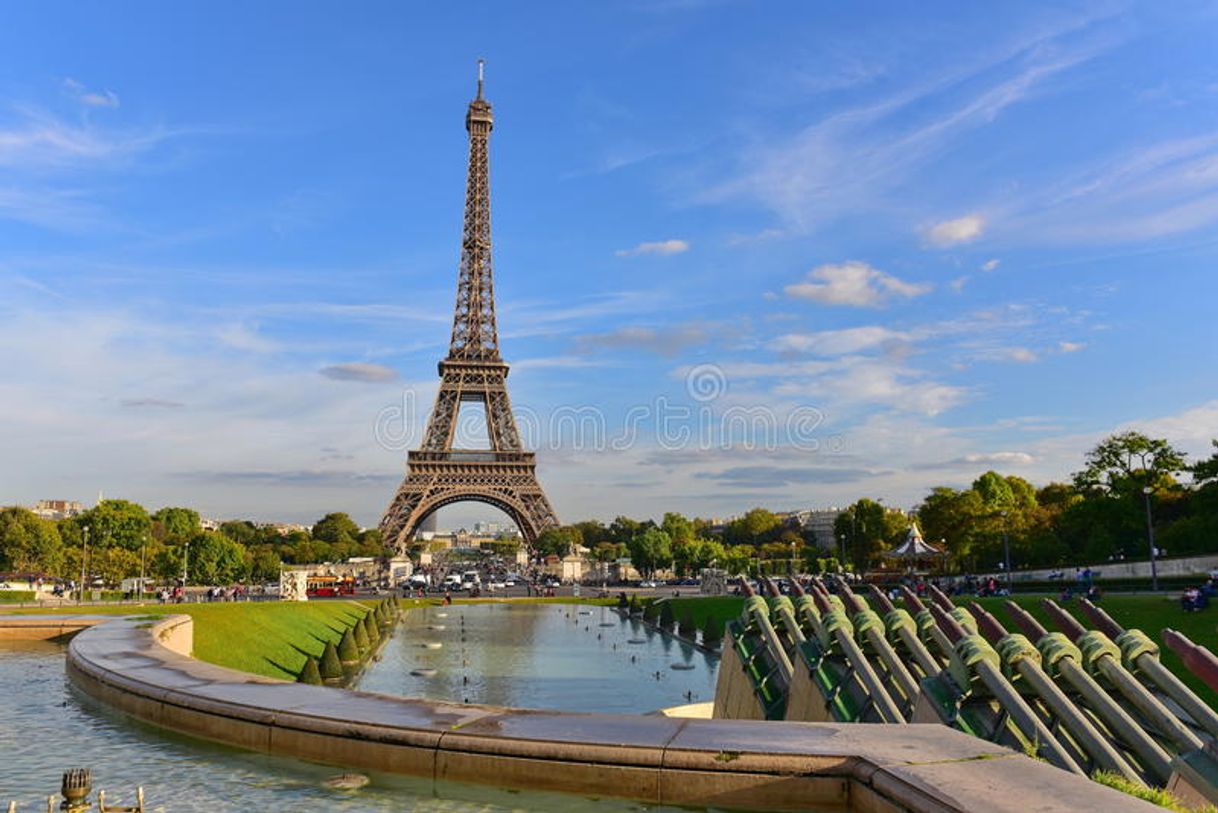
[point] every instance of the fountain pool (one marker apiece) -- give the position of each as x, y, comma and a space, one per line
553, 656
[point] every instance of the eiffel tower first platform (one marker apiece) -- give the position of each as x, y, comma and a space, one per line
504, 475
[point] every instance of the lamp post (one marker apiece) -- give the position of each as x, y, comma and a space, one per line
1150, 535
185, 557
143, 547
1006, 549
84, 553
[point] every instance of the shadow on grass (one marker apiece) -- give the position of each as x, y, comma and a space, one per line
290, 674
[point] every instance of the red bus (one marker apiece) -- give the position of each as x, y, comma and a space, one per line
330, 586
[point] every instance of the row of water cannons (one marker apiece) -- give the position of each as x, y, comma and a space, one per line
1085, 700
74, 791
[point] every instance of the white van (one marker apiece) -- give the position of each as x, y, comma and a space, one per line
470, 579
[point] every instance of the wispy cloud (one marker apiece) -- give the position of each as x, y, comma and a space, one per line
860, 158
953, 232
853, 283
660, 247
665, 341
90, 98
838, 342
359, 371
151, 403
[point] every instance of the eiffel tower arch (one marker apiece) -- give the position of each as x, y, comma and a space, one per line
504, 475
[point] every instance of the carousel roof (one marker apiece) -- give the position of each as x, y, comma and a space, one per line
914, 546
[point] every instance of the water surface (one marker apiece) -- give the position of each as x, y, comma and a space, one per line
47, 726
549, 656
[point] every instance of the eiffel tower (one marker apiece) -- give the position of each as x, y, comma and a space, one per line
437, 474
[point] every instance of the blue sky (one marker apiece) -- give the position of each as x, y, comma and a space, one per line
746, 253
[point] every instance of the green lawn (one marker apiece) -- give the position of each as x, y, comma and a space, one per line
268, 638
1148, 613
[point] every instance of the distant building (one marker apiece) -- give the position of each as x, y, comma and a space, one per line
820, 522
284, 528
58, 509
210, 524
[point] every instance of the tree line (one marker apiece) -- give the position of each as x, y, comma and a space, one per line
122, 540
1100, 515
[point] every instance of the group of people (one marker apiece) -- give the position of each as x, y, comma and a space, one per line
1196, 599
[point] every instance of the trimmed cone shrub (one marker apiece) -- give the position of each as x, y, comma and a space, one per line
688, 628
636, 606
348, 649
651, 611
371, 629
309, 674
331, 667
667, 617
361, 636
712, 631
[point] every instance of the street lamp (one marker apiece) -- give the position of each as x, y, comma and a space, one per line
143, 547
84, 553
185, 556
1006, 549
1150, 535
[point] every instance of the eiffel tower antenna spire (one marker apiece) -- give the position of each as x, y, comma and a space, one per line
439, 474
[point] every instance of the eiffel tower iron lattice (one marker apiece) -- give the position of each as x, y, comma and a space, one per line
505, 474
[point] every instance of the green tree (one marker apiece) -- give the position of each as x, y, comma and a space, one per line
650, 551
738, 559
116, 522
865, 527
28, 543
623, 529
337, 529
1123, 464
241, 531
679, 529
593, 532
175, 523
756, 527
264, 564
216, 559
555, 542
1205, 471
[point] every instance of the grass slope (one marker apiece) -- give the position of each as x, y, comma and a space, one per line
267, 637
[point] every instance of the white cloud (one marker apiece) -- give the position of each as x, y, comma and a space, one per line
1022, 355
990, 265
1070, 347
660, 247
1008, 458
953, 232
90, 98
862, 158
853, 283
838, 342
958, 283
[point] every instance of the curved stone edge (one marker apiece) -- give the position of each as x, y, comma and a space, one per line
144, 670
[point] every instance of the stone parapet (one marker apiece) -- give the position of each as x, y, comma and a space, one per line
143, 670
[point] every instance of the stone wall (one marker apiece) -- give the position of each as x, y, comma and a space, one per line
141, 670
